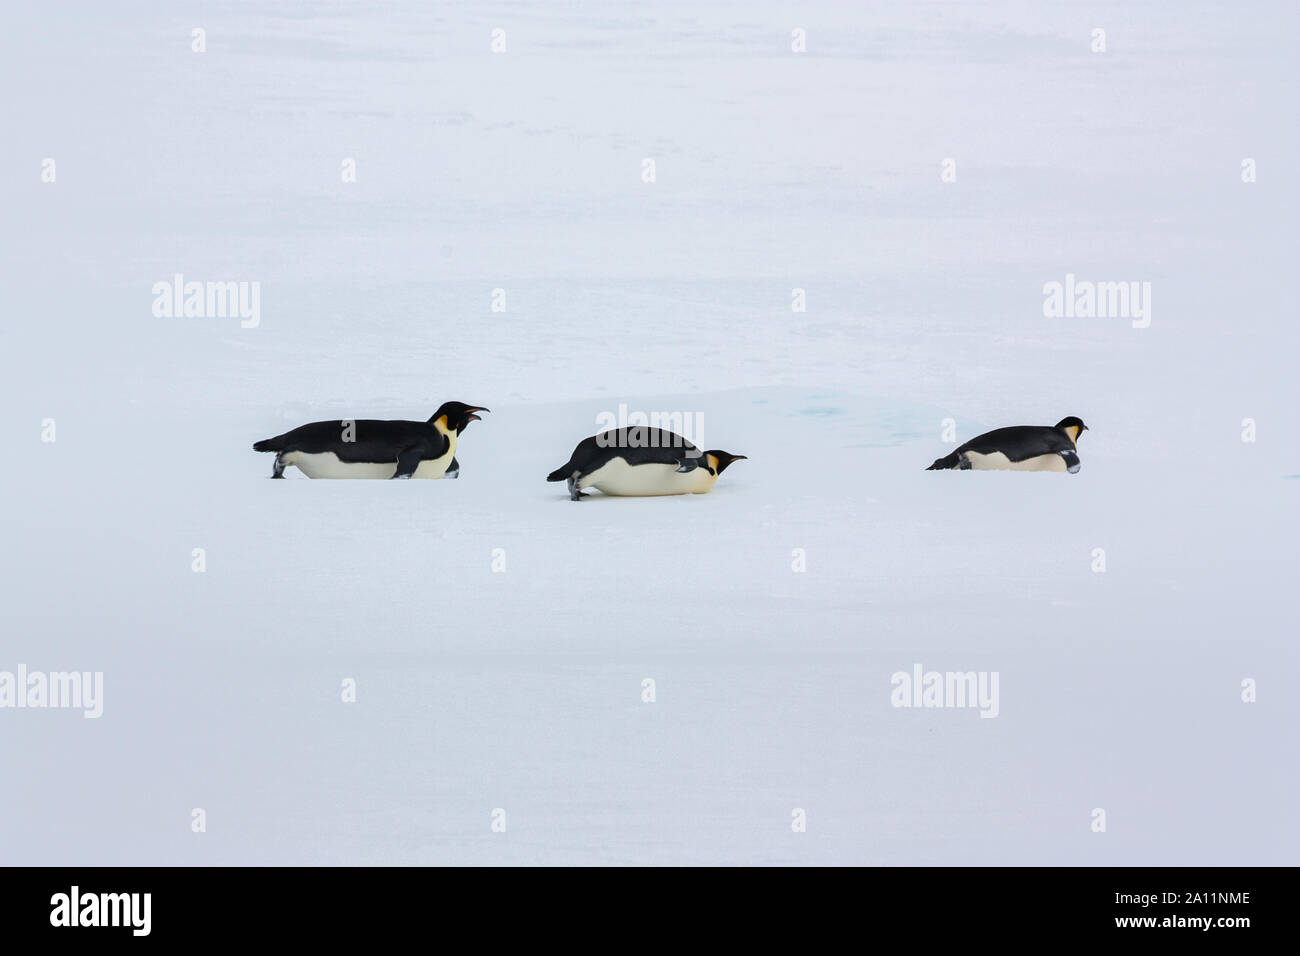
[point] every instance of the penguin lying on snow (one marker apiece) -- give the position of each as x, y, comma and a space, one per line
1020, 448
641, 461
366, 448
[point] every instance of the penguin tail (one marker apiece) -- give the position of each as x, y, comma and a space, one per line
560, 474
948, 461
266, 444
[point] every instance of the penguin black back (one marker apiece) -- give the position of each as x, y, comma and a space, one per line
374, 440
332, 449
636, 444
357, 440
1019, 443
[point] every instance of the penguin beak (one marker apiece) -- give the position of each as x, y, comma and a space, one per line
471, 417
738, 458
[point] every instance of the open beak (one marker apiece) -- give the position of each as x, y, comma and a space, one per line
471, 417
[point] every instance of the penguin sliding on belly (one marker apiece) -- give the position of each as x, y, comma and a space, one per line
366, 448
641, 462
1020, 448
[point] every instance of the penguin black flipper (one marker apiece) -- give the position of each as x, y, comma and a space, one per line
947, 461
408, 459
1072, 463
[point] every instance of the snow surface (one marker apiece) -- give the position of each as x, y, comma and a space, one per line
522, 690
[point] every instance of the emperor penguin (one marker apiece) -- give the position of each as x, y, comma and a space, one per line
640, 461
367, 448
1020, 448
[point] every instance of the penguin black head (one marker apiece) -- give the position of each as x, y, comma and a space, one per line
457, 415
1074, 427
723, 459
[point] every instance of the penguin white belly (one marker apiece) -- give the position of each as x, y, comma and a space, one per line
617, 477
997, 461
327, 465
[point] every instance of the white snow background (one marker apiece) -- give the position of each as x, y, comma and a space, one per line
522, 690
